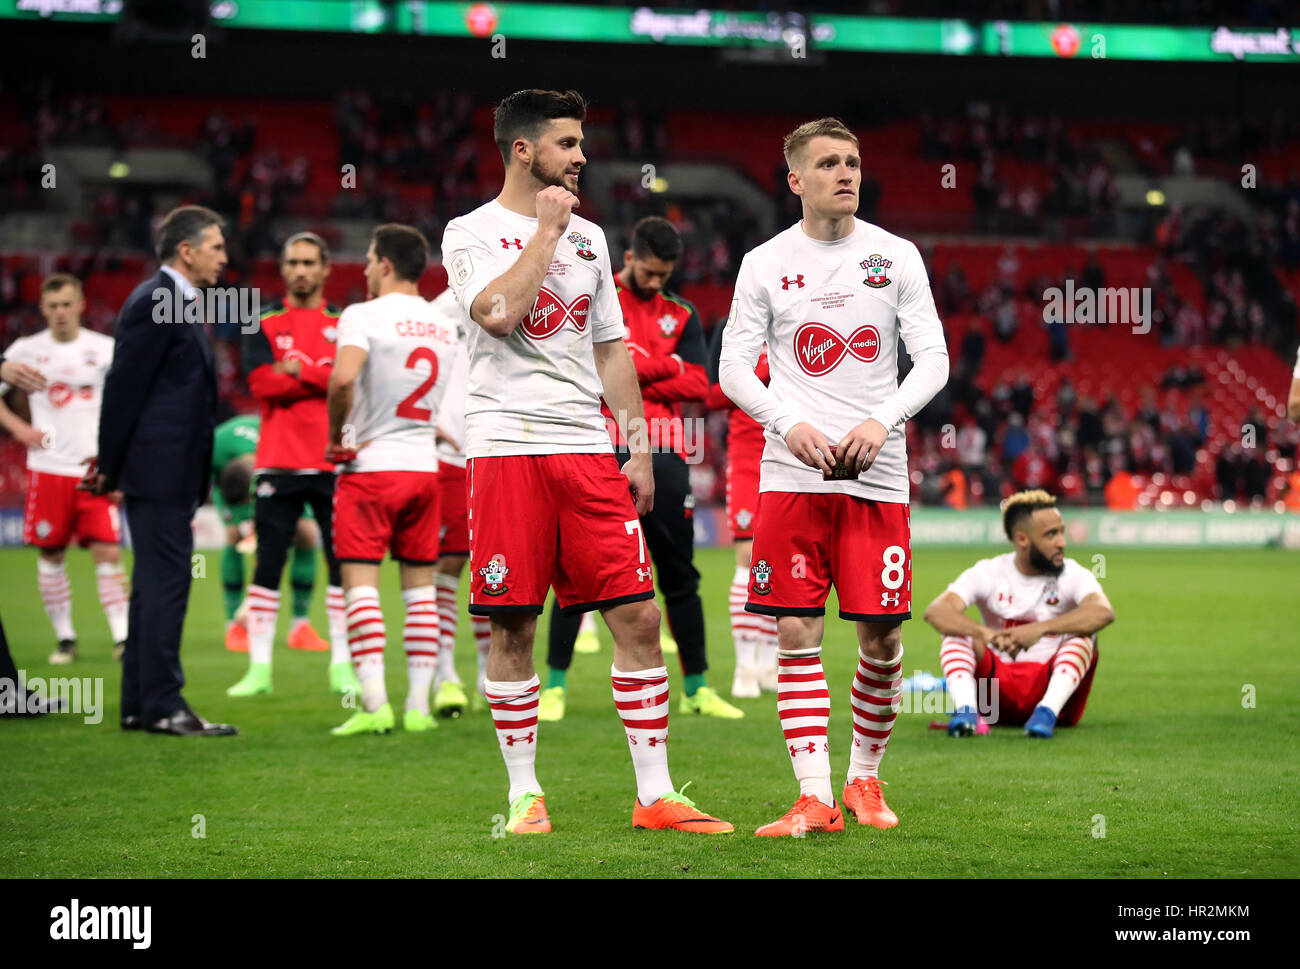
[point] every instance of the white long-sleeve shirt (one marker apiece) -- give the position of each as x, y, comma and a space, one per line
831, 314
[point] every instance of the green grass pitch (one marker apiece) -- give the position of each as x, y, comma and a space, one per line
1172, 763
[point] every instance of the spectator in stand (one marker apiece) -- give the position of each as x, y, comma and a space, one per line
1122, 491
1228, 472
1015, 440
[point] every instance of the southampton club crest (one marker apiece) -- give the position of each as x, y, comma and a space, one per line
494, 577
1053, 595
762, 578
583, 246
876, 266
668, 324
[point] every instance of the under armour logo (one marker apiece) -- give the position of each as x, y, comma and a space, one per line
658, 740
811, 748
526, 739
643, 574
1006, 596
506, 244
787, 282
889, 598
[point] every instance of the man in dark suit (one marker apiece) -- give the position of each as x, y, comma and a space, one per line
155, 446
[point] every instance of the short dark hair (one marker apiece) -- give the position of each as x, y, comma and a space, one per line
311, 237
235, 480
525, 113
56, 281
184, 224
405, 247
655, 236
1021, 506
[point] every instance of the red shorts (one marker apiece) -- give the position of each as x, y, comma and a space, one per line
742, 494
1021, 685
56, 511
453, 535
562, 520
386, 511
805, 543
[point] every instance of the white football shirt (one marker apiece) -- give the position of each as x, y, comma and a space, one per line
395, 402
1007, 597
536, 391
67, 410
451, 412
831, 314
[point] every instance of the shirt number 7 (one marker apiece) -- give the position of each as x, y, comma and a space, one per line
635, 526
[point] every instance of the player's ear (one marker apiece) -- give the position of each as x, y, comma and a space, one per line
792, 179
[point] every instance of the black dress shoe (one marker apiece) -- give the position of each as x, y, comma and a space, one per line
132, 722
187, 723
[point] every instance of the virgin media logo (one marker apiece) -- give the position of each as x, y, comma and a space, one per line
550, 313
819, 349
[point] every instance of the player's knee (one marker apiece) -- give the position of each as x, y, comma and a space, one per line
880, 640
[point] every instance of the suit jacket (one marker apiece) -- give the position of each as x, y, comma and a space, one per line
160, 399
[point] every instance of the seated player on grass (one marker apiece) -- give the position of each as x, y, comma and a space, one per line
1036, 642
234, 444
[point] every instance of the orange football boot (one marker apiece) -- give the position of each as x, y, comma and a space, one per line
528, 815
864, 798
302, 636
808, 814
677, 811
236, 638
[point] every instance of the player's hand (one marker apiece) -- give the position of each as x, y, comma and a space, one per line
810, 446
442, 437
861, 445
290, 365
31, 437
26, 378
338, 454
92, 480
985, 635
554, 206
641, 479
1017, 638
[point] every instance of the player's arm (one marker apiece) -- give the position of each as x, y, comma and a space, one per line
269, 379
1093, 613
507, 300
623, 395
689, 378
742, 344
342, 387
1293, 399
947, 614
23, 432
922, 333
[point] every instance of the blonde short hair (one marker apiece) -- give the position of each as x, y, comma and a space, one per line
1023, 504
797, 140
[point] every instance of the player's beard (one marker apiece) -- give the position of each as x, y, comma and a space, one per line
546, 178
1043, 564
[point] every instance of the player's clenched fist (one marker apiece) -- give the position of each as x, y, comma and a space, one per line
554, 206
641, 479
810, 446
862, 444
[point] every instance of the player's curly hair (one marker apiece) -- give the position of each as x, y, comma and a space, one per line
235, 480
1022, 505
797, 140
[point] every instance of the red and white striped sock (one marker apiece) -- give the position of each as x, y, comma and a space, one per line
1069, 666
263, 611
514, 713
804, 705
641, 699
366, 639
448, 618
337, 617
420, 638
957, 657
877, 687
113, 597
56, 594
746, 628
482, 627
